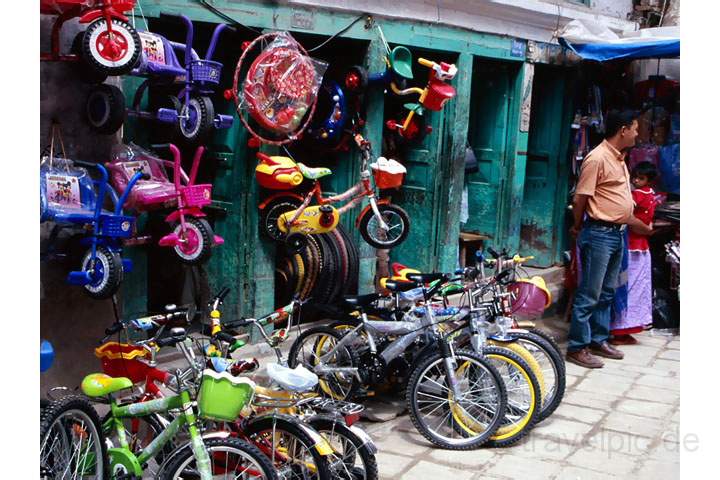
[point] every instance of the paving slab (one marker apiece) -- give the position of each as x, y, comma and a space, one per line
576, 473
645, 409
430, 470
603, 461
515, 466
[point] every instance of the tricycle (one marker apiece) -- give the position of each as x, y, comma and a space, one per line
109, 45
192, 237
71, 198
191, 111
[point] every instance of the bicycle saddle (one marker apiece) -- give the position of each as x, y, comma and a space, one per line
313, 173
298, 379
361, 300
398, 286
100, 385
426, 277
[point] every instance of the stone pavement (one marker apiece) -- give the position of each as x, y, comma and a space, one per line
621, 421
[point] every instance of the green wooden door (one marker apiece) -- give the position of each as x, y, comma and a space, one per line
547, 144
487, 133
418, 196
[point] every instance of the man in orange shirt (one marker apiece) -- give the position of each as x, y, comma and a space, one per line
602, 210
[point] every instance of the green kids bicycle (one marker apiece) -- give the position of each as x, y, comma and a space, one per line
220, 398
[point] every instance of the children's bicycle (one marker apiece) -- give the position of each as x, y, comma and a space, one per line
221, 396
71, 198
191, 111
289, 216
192, 238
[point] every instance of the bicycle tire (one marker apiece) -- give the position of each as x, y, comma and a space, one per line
556, 392
350, 356
53, 412
314, 260
508, 435
527, 357
263, 463
277, 424
551, 340
325, 425
328, 274
343, 263
465, 442
353, 262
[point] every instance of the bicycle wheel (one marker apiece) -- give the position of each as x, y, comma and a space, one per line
523, 396
72, 445
310, 346
552, 365
230, 458
352, 457
527, 357
453, 423
290, 447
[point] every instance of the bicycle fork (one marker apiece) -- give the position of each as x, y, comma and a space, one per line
376, 212
448, 354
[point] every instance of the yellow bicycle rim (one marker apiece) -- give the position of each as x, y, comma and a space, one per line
503, 432
532, 362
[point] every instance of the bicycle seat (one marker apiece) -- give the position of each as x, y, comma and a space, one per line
298, 379
399, 286
313, 173
426, 277
100, 385
361, 300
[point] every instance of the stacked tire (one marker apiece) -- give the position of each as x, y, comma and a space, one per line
324, 270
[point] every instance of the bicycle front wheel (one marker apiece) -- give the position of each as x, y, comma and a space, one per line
72, 445
461, 422
230, 458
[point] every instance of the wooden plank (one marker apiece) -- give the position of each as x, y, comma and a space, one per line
453, 166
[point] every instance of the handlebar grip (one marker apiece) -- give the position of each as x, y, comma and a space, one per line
225, 337
167, 341
114, 328
223, 293
83, 163
492, 252
145, 176
426, 63
168, 16
243, 322
501, 276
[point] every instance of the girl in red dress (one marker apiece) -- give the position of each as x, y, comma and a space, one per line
639, 274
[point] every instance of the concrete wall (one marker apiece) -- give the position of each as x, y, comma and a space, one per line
72, 321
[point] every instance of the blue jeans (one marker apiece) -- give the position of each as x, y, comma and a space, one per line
601, 251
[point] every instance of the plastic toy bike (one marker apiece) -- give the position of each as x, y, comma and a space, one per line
108, 46
433, 97
74, 201
192, 237
191, 112
288, 215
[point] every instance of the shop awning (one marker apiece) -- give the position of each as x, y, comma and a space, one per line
595, 42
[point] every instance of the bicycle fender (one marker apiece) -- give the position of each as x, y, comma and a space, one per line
320, 444
368, 207
274, 196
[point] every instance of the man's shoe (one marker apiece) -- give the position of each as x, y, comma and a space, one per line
584, 358
606, 350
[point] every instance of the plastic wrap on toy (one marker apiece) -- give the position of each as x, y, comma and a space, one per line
128, 159
64, 189
670, 168
281, 86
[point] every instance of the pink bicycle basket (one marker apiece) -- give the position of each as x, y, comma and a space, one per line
531, 297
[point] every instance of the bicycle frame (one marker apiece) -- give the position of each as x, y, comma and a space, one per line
187, 417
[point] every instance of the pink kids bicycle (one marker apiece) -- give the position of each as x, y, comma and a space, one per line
192, 237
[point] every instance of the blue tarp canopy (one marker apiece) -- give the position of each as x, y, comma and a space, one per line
594, 42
